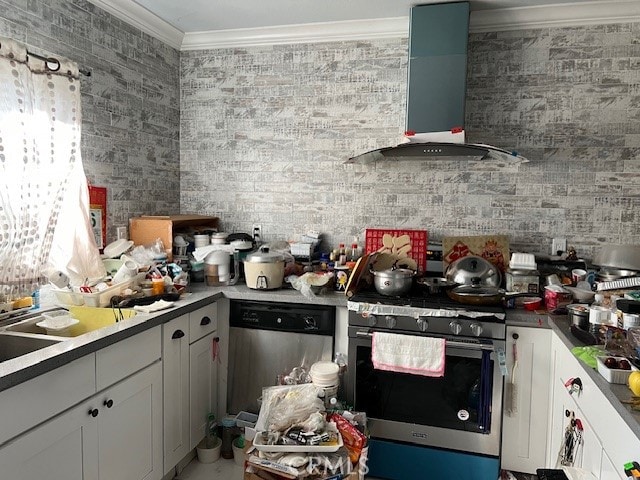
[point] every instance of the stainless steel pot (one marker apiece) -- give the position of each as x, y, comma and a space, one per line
393, 281
578, 314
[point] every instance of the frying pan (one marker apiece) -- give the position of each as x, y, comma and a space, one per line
482, 295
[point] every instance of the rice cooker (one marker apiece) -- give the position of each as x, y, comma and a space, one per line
264, 270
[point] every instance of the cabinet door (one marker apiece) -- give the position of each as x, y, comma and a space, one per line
524, 433
175, 375
130, 426
588, 455
65, 447
203, 373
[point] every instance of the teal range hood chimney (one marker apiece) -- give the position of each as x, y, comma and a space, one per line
438, 37
436, 92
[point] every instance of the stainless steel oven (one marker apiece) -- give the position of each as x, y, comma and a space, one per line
460, 411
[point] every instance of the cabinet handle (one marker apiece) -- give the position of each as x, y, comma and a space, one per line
94, 412
205, 321
177, 334
108, 403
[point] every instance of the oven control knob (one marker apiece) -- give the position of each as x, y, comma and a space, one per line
476, 329
391, 321
423, 323
373, 320
455, 327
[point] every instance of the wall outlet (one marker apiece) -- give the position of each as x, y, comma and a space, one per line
558, 245
256, 232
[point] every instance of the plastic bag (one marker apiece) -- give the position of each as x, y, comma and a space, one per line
285, 406
74, 250
311, 284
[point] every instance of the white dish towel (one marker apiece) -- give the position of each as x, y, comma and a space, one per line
408, 354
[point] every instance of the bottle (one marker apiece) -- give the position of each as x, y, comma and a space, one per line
342, 254
355, 252
598, 315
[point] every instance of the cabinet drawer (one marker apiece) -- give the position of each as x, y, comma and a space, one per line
34, 401
128, 356
203, 321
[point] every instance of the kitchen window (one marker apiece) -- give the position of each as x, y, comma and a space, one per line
44, 221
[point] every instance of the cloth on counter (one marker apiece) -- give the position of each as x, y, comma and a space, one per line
154, 307
408, 354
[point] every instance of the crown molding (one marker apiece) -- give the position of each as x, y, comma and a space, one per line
516, 18
305, 33
130, 12
561, 15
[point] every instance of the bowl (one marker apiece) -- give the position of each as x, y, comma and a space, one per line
531, 303
581, 295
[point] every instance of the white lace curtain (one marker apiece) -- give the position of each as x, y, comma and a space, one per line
42, 182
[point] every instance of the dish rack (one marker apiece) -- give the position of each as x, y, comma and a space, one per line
95, 299
627, 282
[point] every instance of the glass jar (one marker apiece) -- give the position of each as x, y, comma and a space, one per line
522, 280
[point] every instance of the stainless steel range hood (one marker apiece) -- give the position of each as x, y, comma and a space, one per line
436, 88
422, 151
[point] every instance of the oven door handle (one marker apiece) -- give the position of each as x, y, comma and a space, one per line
448, 343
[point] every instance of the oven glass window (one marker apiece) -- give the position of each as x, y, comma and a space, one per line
453, 401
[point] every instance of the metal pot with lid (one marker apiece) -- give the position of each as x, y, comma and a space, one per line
393, 281
264, 270
478, 282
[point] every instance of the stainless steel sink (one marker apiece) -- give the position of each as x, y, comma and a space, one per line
13, 346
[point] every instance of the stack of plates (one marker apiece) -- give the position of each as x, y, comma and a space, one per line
325, 374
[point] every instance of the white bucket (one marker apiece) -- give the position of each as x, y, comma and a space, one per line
209, 453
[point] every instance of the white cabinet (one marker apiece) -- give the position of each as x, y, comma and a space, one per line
608, 441
524, 433
175, 376
190, 377
113, 435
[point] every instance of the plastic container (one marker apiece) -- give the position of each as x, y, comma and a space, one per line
614, 375
97, 299
238, 451
228, 427
523, 261
522, 280
246, 419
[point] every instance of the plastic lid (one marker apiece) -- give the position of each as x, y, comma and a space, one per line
228, 422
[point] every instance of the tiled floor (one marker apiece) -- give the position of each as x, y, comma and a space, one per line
220, 470
228, 470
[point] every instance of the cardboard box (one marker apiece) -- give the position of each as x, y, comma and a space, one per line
147, 229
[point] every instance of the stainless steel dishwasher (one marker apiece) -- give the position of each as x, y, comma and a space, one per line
267, 339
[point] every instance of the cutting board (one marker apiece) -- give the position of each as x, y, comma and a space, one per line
494, 248
362, 266
400, 243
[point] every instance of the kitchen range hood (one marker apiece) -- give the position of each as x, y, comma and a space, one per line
436, 91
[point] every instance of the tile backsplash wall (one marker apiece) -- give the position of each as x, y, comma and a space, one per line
130, 127
265, 132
